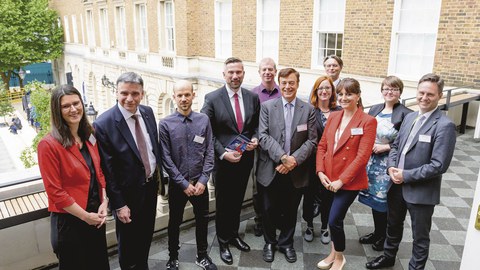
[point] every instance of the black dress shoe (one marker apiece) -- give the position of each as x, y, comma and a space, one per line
368, 239
225, 254
257, 229
290, 254
238, 243
268, 252
381, 261
378, 245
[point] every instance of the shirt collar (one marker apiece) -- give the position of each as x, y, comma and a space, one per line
127, 114
231, 93
183, 117
427, 114
264, 89
284, 101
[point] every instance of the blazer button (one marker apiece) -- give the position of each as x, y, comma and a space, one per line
348, 148
344, 158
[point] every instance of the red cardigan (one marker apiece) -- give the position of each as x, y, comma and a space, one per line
65, 173
349, 160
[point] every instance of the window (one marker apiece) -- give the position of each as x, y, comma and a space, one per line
141, 27
223, 28
268, 28
169, 26
104, 34
67, 29
90, 28
414, 36
75, 28
120, 27
329, 19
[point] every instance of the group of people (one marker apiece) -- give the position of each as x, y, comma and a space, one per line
326, 150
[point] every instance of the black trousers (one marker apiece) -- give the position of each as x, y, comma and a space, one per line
177, 200
77, 244
134, 238
231, 181
421, 218
342, 199
280, 201
316, 193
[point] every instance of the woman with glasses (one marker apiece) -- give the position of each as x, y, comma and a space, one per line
316, 198
342, 155
333, 66
389, 117
70, 167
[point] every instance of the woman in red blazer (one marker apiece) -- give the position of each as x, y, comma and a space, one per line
70, 167
342, 157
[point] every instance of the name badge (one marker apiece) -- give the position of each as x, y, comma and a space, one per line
198, 139
92, 139
425, 138
301, 127
356, 131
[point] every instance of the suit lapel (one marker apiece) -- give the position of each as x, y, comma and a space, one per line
76, 152
150, 128
247, 106
431, 121
122, 127
297, 115
354, 122
228, 106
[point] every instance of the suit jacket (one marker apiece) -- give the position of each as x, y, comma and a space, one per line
349, 160
272, 140
121, 160
218, 108
65, 173
426, 159
399, 112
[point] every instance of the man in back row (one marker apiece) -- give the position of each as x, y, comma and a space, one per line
267, 90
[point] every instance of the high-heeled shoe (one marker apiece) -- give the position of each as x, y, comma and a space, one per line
324, 265
344, 261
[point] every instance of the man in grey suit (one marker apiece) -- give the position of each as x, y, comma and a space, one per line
287, 138
233, 112
419, 156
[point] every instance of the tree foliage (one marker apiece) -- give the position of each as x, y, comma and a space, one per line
29, 33
40, 99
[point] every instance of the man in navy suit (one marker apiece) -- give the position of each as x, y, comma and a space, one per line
130, 152
232, 110
419, 156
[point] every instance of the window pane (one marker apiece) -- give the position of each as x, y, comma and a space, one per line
331, 41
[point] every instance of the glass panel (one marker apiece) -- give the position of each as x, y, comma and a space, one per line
331, 41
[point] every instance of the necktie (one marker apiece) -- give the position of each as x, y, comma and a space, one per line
238, 113
142, 146
288, 127
416, 126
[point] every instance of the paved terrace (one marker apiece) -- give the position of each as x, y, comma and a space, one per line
449, 228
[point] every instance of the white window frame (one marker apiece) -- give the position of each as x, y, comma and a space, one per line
169, 24
330, 22
141, 29
120, 27
268, 33
89, 20
417, 61
103, 25
223, 29
83, 29
66, 27
75, 28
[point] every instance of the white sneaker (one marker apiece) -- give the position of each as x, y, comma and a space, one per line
308, 236
324, 236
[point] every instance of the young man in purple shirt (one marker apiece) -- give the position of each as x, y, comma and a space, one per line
267, 90
187, 149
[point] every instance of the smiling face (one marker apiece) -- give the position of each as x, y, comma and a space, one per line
428, 96
332, 68
233, 74
267, 71
289, 86
129, 95
348, 101
72, 109
324, 91
390, 94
